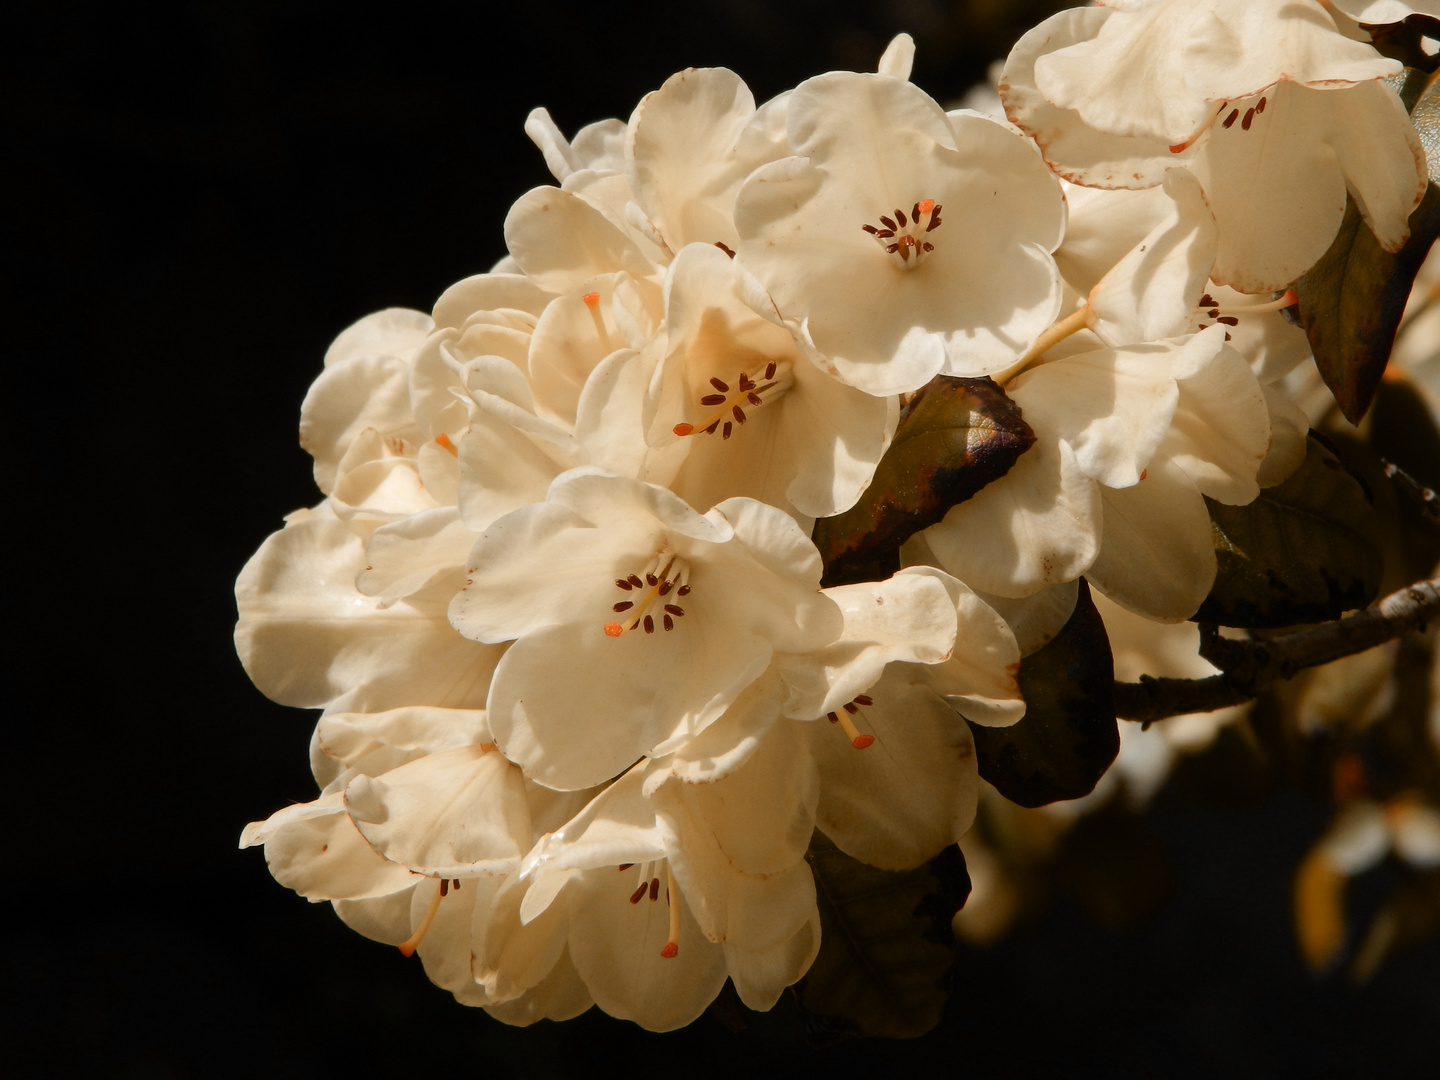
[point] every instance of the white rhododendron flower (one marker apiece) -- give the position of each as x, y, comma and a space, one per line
905, 242
663, 616
1275, 110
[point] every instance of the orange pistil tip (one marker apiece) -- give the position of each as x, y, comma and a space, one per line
613, 629
860, 742
926, 205
591, 299
670, 951
444, 440
683, 429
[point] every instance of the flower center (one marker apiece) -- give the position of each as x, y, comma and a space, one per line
592, 304
903, 238
650, 883
857, 740
665, 575
728, 405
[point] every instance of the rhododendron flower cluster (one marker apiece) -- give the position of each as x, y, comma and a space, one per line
586, 696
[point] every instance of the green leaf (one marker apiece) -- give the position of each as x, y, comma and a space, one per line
956, 436
1306, 550
1068, 736
1352, 299
885, 943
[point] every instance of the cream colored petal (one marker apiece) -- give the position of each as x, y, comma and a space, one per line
1289, 427
1150, 293
368, 390
899, 801
1111, 406
308, 637
1221, 430
451, 814
562, 241
346, 736
392, 332
1156, 555
760, 978
400, 558
489, 292
684, 168
1357, 839
1382, 158
1238, 48
1038, 525
314, 849
1074, 149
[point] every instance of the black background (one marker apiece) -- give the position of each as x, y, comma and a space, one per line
202, 196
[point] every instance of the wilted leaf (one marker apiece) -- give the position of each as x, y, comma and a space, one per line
1352, 299
885, 944
1068, 736
1306, 550
956, 436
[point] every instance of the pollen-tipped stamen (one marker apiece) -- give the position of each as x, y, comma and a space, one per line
410, 944
672, 897
592, 302
903, 237
728, 404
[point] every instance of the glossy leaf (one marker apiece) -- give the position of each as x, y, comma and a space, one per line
885, 943
956, 436
1306, 550
1351, 300
1068, 736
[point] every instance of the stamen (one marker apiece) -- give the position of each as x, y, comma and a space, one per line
444, 440
725, 249
1077, 320
1227, 315
857, 740
592, 301
625, 866
663, 575
1204, 127
1234, 114
1249, 118
639, 893
901, 235
672, 897
410, 944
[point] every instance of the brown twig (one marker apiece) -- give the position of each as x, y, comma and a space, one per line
1248, 668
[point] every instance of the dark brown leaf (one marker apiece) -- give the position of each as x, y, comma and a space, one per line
1305, 551
957, 436
1352, 299
885, 944
1068, 736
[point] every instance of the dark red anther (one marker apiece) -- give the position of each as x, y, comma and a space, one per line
654, 888
668, 622
1231, 118
666, 586
754, 398
770, 370
832, 718
870, 229
724, 388
864, 699
1249, 118
713, 399
455, 884
851, 708
888, 223
915, 213
684, 590
725, 434
675, 609
934, 218
624, 605
927, 246
444, 887
1228, 320
900, 216
621, 583
624, 866
649, 625
1260, 105
711, 429
651, 580
1207, 300
745, 382
739, 414
638, 893
726, 250
635, 581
